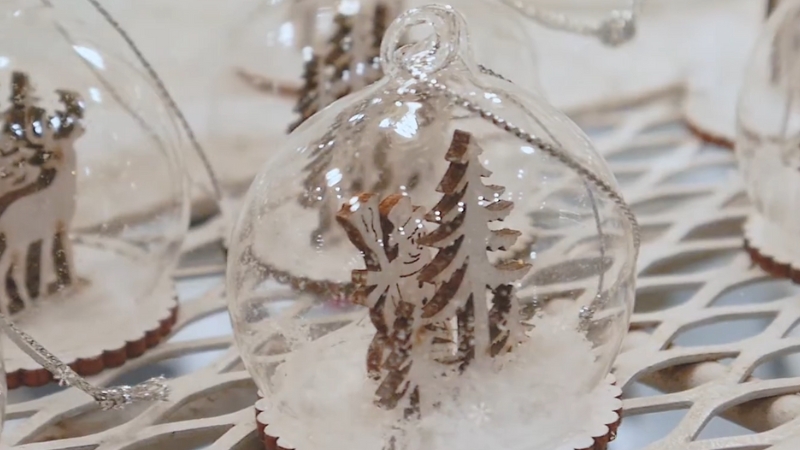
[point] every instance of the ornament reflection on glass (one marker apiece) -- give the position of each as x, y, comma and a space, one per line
412, 271
288, 59
93, 207
768, 143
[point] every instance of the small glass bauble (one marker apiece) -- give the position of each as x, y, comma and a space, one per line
285, 60
94, 207
407, 272
768, 138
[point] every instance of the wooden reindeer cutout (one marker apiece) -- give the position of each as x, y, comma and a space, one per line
452, 308
37, 192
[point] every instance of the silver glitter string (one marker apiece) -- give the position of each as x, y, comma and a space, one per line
154, 389
546, 147
616, 29
586, 313
421, 65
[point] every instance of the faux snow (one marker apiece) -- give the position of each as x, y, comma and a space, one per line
107, 308
534, 398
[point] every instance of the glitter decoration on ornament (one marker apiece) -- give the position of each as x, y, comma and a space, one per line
37, 162
503, 272
768, 143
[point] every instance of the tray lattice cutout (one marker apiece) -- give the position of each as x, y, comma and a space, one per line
712, 335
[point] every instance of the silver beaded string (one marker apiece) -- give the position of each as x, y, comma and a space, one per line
587, 312
618, 28
554, 151
418, 65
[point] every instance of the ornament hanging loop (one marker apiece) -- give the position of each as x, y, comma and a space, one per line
444, 43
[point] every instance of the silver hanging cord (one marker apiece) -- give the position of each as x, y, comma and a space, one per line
215, 186
115, 397
586, 314
616, 29
546, 147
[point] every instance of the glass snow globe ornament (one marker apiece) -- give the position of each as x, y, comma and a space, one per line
288, 59
93, 196
410, 270
768, 143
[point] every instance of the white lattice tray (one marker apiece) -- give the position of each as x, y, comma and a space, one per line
714, 341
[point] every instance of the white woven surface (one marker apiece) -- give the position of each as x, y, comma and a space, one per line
704, 317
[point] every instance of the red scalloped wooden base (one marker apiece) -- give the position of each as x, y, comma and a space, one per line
769, 265
107, 360
710, 138
600, 443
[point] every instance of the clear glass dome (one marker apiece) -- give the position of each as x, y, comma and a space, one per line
402, 262
768, 129
290, 58
93, 208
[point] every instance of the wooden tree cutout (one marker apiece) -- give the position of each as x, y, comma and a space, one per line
414, 300
37, 193
386, 233
345, 62
461, 270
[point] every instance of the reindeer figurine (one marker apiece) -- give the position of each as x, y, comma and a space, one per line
37, 192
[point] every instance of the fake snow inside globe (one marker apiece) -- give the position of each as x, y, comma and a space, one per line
93, 201
768, 143
411, 271
288, 59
